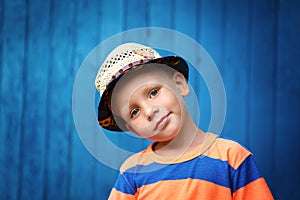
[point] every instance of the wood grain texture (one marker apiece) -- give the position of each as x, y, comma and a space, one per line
60, 77
84, 16
34, 119
235, 68
287, 100
263, 64
13, 47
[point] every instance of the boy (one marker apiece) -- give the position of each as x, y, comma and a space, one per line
144, 93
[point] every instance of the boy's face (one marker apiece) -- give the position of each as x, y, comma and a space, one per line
150, 101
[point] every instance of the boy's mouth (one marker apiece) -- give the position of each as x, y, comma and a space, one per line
162, 122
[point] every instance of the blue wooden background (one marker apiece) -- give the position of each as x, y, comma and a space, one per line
255, 44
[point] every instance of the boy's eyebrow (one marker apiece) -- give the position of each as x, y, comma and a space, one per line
147, 88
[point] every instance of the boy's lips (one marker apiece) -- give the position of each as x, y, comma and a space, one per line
162, 122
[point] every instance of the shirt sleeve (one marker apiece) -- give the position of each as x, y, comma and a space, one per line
123, 189
247, 183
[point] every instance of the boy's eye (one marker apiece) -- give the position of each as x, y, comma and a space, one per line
134, 112
153, 93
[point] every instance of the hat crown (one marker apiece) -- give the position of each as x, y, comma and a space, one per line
120, 57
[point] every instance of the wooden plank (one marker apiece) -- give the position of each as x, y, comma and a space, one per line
160, 15
2, 131
111, 18
11, 95
287, 101
185, 14
35, 77
135, 15
81, 162
58, 151
235, 65
210, 35
209, 28
261, 106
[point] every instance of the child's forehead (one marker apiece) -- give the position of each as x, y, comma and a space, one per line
139, 81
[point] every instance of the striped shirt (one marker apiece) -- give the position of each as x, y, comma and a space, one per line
218, 169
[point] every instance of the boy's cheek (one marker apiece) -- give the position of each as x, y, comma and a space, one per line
139, 130
135, 131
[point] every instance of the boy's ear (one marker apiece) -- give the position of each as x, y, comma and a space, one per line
181, 83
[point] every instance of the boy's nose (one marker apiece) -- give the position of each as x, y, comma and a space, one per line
151, 111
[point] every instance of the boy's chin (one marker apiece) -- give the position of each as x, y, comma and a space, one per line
162, 137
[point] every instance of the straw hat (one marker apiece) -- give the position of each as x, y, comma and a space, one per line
120, 61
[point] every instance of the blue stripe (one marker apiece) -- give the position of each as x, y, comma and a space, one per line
244, 174
201, 168
125, 184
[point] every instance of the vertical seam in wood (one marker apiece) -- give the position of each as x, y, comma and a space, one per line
71, 125
125, 7
197, 86
222, 51
147, 18
95, 162
23, 108
198, 21
48, 103
2, 20
223, 36
173, 7
275, 89
249, 74
147, 13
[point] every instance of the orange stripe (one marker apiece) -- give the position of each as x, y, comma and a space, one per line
228, 150
184, 189
141, 158
257, 189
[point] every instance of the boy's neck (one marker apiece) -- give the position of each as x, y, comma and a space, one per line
189, 138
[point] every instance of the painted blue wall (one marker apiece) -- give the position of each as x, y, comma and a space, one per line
255, 44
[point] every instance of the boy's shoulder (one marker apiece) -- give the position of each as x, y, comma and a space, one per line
228, 150
230, 145
140, 158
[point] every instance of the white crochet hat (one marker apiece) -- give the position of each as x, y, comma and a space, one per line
121, 60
